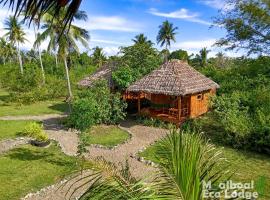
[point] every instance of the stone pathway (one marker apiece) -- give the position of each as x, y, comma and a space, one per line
9, 144
33, 117
141, 137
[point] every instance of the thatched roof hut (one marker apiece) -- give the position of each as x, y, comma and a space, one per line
176, 91
175, 78
104, 72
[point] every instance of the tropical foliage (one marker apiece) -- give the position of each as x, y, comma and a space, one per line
247, 25
242, 108
63, 39
185, 161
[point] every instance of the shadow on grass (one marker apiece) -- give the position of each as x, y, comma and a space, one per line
28, 155
61, 107
24, 154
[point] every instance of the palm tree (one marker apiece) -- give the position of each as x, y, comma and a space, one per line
166, 34
185, 162
64, 39
142, 39
203, 55
6, 51
99, 57
15, 35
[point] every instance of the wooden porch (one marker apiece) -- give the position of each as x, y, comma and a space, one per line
176, 112
168, 115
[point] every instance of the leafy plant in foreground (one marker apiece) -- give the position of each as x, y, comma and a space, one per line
185, 161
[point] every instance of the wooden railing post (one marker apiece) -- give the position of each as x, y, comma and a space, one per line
179, 108
139, 103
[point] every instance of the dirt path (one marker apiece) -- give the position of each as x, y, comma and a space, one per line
33, 117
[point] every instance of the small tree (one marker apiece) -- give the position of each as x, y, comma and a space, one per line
180, 54
98, 56
142, 39
203, 56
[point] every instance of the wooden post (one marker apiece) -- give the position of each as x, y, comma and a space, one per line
179, 108
139, 103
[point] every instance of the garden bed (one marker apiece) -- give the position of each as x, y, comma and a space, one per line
105, 136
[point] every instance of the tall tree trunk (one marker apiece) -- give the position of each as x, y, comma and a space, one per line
20, 58
41, 65
40, 58
166, 54
56, 60
68, 84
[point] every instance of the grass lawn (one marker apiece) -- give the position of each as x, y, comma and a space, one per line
10, 129
39, 108
108, 136
28, 169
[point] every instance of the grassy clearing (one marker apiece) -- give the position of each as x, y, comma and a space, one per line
11, 129
39, 108
108, 136
28, 169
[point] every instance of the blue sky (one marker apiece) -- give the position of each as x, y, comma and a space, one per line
113, 23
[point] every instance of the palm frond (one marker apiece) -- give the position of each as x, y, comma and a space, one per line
32, 9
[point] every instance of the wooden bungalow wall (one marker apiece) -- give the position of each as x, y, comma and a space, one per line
199, 103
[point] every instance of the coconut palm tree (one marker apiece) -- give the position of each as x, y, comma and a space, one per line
6, 51
98, 56
62, 38
15, 35
203, 54
185, 161
166, 34
37, 45
142, 39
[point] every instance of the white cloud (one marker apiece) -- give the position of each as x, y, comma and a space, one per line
217, 4
110, 51
180, 14
107, 41
195, 44
194, 47
110, 23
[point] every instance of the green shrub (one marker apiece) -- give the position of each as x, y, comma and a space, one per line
96, 106
35, 130
242, 106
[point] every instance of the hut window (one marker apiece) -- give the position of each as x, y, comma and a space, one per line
200, 97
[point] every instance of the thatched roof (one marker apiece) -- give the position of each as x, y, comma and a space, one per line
173, 78
104, 72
